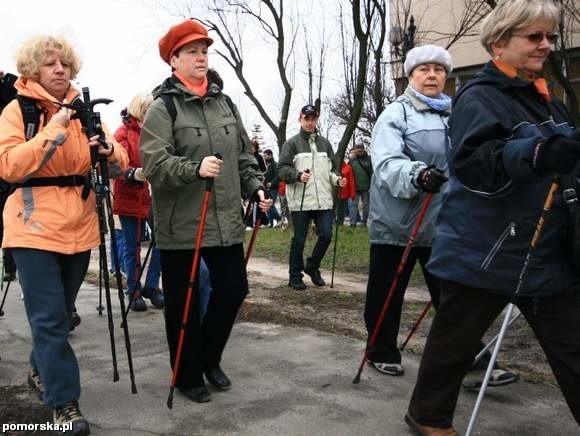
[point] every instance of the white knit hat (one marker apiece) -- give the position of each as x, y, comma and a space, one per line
427, 54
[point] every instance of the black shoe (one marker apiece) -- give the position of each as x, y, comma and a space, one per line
297, 284
218, 379
69, 415
138, 304
199, 394
35, 382
315, 276
75, 320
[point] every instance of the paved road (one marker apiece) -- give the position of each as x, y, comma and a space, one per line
286, 381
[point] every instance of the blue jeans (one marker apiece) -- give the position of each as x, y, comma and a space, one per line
120, 242
50, 283
361, 196
204, 288
301, 220
133, 232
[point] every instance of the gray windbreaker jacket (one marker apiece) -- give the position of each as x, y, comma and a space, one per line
171, 153
314, 152
407, 137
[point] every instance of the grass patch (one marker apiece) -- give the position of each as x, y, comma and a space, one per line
352, 250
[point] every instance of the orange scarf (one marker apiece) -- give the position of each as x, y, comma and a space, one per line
198, 89
540, 83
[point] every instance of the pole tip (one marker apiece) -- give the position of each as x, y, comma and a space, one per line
356, 379
170, 399
133, 388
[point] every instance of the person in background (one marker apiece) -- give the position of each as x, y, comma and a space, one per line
363, 170
509, 138
132, 203
272, 180
307, 166
252, 212
178, 162
50, 221
345, 194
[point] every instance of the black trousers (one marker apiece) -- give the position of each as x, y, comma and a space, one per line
205, 342
464, 314
384, 260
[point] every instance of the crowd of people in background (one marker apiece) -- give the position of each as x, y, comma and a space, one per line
482, 166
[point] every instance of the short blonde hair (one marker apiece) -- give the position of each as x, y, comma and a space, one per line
510, 15
32, 53
139, 105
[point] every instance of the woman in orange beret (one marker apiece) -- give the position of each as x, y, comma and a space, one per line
189, 122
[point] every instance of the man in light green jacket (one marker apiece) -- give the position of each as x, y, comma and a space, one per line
307, 166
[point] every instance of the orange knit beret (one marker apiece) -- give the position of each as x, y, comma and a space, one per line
181, 34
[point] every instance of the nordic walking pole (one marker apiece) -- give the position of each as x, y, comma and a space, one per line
4, 298
508, 315
147, 254
416, 325
190, 290
494, 339
307, 171
338, 205
257, 225
394, 284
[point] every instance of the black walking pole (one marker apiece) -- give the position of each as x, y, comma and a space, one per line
190, 290
338, 205
508, 315
99, 179
307, 171
395, 282
147, 255
4, 298
100, 305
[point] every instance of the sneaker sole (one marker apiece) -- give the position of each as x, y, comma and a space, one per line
394, 373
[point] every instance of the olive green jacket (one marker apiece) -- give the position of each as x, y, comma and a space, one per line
171, 152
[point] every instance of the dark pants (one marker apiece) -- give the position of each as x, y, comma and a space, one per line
205, 341
384, 260
301, 221
464, 314
50, 283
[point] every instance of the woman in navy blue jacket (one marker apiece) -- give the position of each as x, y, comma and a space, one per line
508, 139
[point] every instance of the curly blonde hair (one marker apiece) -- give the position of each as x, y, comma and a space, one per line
511, 15
139, 105
32, 53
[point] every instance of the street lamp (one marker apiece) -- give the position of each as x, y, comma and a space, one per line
402, 40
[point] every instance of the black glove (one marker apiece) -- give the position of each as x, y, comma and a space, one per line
431, 178
130, 177
256, 196
556, 154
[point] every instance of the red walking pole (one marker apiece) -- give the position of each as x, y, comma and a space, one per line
190, 290
394, 284
257, 225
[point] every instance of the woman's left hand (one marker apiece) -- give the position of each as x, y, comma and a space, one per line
265, 203
104, 151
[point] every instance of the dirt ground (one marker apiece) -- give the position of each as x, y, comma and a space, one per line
324, 309
341, 313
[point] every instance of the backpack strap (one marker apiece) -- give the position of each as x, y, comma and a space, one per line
30, 115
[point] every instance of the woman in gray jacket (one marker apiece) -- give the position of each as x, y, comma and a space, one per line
186, 125
408, 156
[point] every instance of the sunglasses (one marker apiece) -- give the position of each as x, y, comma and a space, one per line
538, 37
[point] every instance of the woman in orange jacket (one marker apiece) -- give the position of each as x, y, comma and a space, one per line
49, 225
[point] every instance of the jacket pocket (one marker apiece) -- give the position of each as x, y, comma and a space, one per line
509, 232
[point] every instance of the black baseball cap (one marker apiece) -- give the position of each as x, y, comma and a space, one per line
309, 110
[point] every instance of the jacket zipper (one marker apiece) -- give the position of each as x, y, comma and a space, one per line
510, 231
